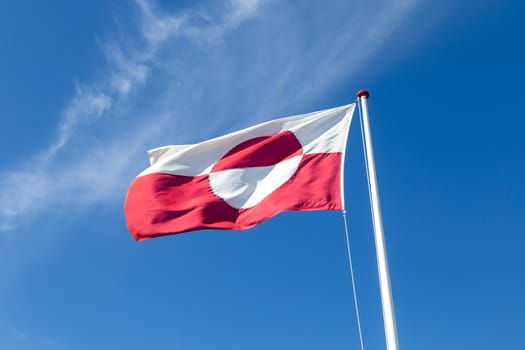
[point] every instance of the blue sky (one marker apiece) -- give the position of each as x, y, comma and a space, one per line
87, 88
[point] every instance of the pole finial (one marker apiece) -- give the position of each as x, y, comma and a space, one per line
362, 93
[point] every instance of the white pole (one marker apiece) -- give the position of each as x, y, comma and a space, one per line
384, 278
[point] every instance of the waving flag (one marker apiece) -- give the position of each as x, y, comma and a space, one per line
241, 179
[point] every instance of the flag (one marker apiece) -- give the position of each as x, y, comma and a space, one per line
239, 180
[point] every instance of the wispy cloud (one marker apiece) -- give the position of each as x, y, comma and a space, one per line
85, 106
90, 173
199, 66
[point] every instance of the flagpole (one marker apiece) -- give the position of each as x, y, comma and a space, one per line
384, 278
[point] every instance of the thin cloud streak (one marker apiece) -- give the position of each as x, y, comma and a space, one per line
85, 106
198, 68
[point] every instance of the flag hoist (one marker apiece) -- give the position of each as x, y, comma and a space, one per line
238, 180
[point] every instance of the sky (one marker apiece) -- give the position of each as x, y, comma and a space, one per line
87, 88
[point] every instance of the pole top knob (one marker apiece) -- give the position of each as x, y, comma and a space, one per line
362, 93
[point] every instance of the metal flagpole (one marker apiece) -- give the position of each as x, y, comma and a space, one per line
384, 278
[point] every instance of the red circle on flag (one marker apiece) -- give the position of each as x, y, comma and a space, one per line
255, 168
261, 151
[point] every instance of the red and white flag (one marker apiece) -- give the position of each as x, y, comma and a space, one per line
241, 179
